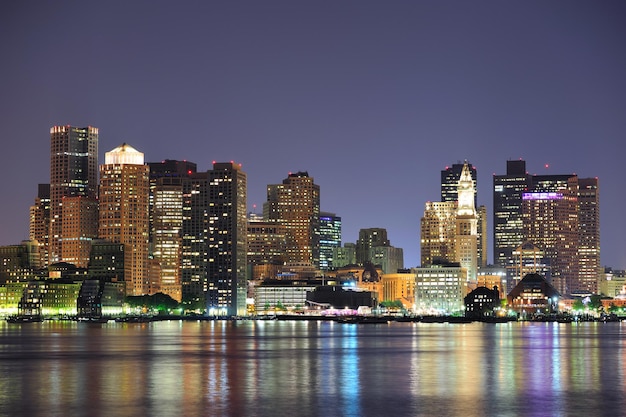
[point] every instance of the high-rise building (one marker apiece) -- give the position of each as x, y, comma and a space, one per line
449, 192
550, 213
590, 269
73, 192
194, 241
266, 247
508, 224
39, 225
559, 214
466, 236
296, 204
166, 222
437, 231
369, 238
227, 240
124, 192
330, 238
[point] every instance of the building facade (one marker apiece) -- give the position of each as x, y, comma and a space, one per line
73, 175
124, 192
296, 204
330, 238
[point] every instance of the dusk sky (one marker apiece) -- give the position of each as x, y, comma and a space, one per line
372, 98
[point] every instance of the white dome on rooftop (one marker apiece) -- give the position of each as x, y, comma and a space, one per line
124, 155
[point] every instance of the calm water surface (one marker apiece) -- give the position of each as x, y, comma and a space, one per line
255, 368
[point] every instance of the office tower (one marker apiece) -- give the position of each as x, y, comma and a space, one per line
124, 191
296, 204
166, 222
39, 225
227, 235
437, 232
369, 238
449, 192
590, 269
330, 238
73, 185
266, 247
466, 236
194, 241
550, 215
508, 225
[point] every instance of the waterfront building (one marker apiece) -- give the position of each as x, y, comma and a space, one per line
10, 296
73, 192
166, 219
400, 286
589, 267
482, 302
440, 289
227, 240
296, 204
273, 295
330, 239
60, 298
97, 298
550, 215
39, 222
124, 192
557, 213
341, 298
533, 295
613, 283
19, 263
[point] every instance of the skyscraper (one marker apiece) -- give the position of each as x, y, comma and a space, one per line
227, 240
296, 204
39, 224
437, 231
550, 214
369, 238
466, 237
330, 238
73, 192
590, 268
124, 191
557, 213
508, 225
449, 192
166, 222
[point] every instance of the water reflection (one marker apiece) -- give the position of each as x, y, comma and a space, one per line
259, 368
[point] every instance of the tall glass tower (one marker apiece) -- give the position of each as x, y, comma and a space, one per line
73, 193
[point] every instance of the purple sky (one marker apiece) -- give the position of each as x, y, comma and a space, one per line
372, 98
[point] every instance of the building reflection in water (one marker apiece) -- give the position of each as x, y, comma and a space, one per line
256, 368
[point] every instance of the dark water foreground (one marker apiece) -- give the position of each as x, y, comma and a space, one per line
256, 368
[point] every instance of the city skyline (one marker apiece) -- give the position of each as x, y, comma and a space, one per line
372, 100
